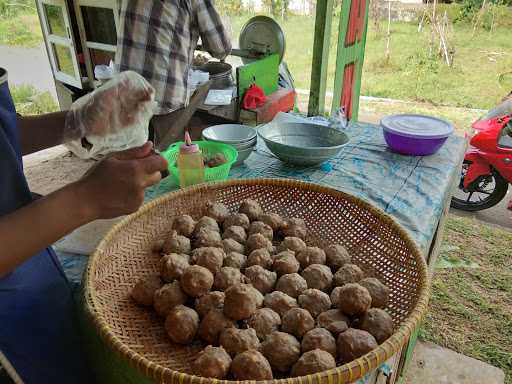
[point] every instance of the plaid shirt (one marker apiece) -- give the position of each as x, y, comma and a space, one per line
158, 39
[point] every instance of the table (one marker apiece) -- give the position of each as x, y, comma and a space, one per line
416, 191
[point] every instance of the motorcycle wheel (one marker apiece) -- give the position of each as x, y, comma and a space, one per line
484, 193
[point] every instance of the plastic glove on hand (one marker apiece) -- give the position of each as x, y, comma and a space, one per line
123, 102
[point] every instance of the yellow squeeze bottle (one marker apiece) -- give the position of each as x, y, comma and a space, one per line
190, 163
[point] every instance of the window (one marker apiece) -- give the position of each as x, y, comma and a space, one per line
59, 41
98, 23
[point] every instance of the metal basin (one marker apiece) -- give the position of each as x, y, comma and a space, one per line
302, 143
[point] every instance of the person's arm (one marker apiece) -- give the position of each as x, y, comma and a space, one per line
117, 104
114, 187
41, 132
214, 37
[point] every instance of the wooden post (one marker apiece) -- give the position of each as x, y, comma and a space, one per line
322, 39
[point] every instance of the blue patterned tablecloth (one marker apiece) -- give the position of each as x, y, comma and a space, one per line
411, 189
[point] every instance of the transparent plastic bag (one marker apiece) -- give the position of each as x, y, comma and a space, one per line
114, 117
338, 119
122, 102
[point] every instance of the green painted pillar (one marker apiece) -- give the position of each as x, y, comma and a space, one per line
350, 56
321, 45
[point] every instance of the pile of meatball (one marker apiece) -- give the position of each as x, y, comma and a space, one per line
264, 303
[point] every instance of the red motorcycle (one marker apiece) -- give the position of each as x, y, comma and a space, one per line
487, 167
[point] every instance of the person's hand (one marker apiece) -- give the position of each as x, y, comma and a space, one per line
125, 100
115, 186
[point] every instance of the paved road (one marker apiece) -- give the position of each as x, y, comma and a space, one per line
497, 215
28, 66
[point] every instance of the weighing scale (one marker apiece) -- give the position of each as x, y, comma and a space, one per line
262, 46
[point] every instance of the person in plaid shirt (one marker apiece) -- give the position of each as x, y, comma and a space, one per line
158, 39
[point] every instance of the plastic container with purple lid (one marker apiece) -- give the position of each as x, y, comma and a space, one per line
415, 135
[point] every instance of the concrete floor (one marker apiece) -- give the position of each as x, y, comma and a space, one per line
432, 364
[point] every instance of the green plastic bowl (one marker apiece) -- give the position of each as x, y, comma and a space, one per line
207, 148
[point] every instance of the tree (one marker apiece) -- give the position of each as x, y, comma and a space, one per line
229, 7
278, 8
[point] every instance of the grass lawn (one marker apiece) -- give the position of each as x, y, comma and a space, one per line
471, 304
410, 75
22, 30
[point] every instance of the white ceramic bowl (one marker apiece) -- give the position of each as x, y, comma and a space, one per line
230, 133
243, 155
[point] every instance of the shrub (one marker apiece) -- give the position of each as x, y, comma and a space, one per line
30, 101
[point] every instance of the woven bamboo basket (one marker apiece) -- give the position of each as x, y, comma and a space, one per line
375, 240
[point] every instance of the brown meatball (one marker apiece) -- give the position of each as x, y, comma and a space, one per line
349, 273
176, 244
215, 160
310, 255
212, 326
207, 238
279, 302
273, 220
354, 343
282, 351
315, 301
258, 296
196, 281
295, 228
292, 284
297, 321
378, 291
236, 233
167, 297
264, 321
236, 341
261, 227
293, 244
262, 279
334, 321
217, 211
206, 222
319, 338
184, 225
336, 256
312, 362
377, 322
212, 300
318, 276
143, 292
285, 263
353, 299
226, 277
181, 324
209, 257
235, 260
259, 257
251, 365
258, 241
237, 219
240, 302
212, 362
251, 208
230, 245
172, 267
